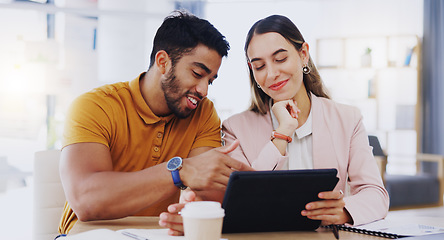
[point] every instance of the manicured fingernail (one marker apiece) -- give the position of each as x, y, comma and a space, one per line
171, 209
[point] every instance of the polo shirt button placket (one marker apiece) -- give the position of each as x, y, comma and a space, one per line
158, 139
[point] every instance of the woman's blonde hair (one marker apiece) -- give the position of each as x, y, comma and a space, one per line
286, 28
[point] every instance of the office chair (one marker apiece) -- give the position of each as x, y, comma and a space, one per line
424, 189
49, 197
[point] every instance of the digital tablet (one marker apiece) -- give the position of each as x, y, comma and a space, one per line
269, 201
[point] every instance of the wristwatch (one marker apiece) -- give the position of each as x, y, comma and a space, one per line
174, 165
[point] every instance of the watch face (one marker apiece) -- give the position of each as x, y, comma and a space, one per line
174, 163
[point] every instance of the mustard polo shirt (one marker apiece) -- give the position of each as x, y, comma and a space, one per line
117, 116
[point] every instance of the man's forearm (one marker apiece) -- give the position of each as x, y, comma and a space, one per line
110, 195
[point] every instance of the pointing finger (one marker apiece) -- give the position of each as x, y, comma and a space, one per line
229, 148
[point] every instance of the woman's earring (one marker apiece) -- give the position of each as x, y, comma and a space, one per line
306, 69
258, 86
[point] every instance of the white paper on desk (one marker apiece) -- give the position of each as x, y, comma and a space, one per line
155, 234
97, 234
401, 229
151, 234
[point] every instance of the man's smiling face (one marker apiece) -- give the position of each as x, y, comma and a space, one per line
187, 82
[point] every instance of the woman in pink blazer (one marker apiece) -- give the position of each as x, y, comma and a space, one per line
306, 128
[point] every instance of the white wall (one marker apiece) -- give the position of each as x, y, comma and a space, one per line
125, 39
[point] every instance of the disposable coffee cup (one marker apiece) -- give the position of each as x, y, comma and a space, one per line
202, 220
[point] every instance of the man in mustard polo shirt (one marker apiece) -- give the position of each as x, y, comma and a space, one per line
130, 147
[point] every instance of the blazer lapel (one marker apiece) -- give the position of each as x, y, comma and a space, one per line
323, 144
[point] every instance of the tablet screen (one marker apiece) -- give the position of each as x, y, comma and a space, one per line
264, 201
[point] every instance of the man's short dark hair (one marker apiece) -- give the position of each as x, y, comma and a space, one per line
181, 32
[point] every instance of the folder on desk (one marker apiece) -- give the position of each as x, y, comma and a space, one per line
268, 201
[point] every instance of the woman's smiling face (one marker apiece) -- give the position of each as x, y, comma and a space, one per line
277, 65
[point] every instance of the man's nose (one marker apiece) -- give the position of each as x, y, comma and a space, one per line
202, 88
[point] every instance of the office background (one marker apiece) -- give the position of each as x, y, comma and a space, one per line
52, 51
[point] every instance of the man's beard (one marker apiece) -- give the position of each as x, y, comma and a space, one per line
173, 95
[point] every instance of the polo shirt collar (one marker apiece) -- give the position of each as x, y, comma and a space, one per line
142, 108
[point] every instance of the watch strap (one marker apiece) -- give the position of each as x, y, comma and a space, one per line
177, 181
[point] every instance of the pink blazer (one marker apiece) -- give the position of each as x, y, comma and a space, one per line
339, 141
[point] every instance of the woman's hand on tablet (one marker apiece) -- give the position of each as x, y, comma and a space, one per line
330, 210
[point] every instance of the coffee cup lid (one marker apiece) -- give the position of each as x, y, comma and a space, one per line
203, 209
